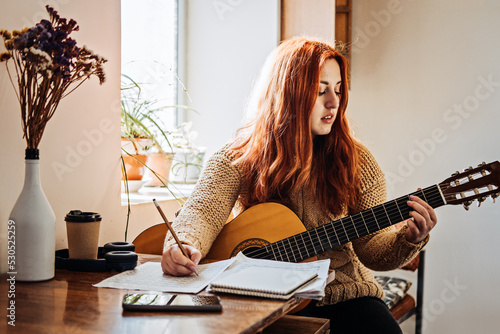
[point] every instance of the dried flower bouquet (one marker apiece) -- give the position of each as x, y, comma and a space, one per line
48, 66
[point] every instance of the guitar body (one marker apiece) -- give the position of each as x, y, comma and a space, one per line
258, 226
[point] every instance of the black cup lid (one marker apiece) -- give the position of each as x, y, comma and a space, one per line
78, 216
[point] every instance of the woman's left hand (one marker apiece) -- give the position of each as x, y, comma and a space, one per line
422, 222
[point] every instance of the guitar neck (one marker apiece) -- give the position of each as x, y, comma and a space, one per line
313, 242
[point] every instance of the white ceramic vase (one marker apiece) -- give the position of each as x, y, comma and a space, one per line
34, 226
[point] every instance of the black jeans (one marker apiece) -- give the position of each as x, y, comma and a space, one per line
355, 316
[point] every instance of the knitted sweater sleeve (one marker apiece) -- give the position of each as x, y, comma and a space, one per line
209, 206
388, 248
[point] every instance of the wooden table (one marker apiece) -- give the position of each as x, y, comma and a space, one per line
70, 304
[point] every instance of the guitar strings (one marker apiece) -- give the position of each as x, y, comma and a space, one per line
324, 231
313, 238
371, 224
315, 241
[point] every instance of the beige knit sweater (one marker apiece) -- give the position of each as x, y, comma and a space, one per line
217, 192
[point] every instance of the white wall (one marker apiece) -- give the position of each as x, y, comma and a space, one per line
425, 97
82, 133
227, 43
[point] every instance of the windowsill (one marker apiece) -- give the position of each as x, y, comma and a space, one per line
147, 194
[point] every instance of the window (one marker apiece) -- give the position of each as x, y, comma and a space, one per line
149, 51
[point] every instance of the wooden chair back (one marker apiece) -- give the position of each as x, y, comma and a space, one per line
151, 240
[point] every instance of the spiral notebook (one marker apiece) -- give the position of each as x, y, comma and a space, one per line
269, 282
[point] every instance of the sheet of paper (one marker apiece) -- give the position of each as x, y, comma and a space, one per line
150, 277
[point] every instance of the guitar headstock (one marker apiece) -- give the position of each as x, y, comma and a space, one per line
472, 184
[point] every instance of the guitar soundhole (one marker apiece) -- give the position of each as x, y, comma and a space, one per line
249, 245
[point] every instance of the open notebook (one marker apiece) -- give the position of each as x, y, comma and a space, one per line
269, 282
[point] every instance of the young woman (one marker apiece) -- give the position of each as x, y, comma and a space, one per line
298, 150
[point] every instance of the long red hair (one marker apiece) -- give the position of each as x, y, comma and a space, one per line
277, 154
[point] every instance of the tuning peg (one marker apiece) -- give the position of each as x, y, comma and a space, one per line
494, 196
490, 187
467, 205
480, 200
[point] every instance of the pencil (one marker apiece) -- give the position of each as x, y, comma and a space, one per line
172, 231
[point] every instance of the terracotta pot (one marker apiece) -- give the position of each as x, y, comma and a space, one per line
134, 166
160, 163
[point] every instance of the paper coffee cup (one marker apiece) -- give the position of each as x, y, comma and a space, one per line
82, 229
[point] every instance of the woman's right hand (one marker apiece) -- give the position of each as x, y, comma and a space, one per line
174, 263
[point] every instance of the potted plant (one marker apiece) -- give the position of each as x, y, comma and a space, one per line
146, 143
134, 155
135, 140
188, 158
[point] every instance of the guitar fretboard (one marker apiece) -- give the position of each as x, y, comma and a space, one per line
320, 239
